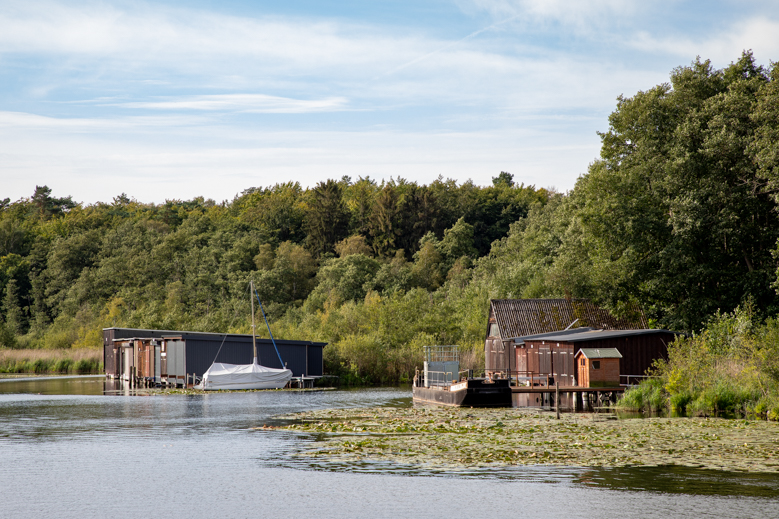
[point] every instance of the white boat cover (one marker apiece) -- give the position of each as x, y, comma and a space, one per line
243, 376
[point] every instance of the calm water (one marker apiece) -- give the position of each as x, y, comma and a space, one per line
68, 450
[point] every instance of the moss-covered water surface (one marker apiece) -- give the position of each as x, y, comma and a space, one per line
458, 438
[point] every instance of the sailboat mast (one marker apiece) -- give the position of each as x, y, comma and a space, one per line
254, 335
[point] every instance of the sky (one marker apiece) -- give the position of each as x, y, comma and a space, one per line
174, 100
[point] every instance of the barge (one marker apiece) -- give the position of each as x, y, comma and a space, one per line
442, 383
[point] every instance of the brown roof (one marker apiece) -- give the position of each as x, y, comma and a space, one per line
520, 317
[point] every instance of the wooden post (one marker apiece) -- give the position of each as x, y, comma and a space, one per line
557, 398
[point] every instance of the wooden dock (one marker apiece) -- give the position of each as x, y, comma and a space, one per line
569, 398
564, 389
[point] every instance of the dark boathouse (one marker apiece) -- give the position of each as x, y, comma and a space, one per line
170, 357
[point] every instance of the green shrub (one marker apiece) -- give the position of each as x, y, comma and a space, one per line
648, 396
680, 401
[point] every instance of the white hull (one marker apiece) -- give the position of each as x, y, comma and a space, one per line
243, 376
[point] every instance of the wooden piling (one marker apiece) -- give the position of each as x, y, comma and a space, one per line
557, 398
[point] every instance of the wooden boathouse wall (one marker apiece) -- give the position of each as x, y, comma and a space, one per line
639, 350
199, 349
516, 318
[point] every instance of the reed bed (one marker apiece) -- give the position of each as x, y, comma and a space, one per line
75, 361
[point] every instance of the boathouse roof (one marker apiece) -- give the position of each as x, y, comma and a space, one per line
597, 335
524, 317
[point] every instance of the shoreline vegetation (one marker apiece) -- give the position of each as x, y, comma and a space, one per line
81, 361
730, 368
455, 438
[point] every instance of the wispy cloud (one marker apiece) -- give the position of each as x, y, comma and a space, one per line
246, 103
757, 34
150, 34
582, 16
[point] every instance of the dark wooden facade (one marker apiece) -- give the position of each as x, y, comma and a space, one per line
155, 353
555, 355
512, 320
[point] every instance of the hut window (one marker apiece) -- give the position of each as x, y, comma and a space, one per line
595, 364
494, 330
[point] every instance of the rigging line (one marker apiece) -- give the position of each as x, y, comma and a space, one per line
268, 325
225, 337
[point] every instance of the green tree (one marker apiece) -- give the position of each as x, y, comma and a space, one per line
47, 205
676, 201
342, 279
11, 309
327, 218
384, 225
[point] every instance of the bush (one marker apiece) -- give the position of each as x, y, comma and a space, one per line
680, 401
648, 396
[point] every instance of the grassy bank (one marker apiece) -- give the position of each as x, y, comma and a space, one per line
730, 369
466, 438
76, 361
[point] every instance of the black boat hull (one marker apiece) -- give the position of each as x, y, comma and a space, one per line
473, 392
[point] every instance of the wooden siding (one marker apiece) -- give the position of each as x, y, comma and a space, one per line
638, 352
606, 376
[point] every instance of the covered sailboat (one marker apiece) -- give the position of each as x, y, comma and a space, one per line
246, 376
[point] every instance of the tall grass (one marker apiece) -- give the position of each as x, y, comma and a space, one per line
75, 361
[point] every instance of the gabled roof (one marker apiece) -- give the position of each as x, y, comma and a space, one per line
600, 353
522, 317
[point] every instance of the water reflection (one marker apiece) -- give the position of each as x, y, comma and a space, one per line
682, 480
65, 385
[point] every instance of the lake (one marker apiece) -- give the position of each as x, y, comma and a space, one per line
68, 449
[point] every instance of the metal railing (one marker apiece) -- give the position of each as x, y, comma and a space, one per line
439, 378
635, 378
442, 353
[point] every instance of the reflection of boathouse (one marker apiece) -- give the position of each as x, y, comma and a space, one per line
177, 357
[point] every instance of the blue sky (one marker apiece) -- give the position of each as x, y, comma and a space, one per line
169, 99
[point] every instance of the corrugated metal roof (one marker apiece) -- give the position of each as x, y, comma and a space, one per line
522, 317
520, 340
601, 353
145, 333
595, 335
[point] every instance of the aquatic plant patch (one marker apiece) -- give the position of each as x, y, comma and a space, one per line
457, 438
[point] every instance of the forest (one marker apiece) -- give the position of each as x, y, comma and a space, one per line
678, 215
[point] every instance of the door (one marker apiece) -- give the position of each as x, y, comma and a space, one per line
544, 362
522, 360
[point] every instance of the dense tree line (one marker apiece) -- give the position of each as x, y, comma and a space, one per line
679, 215
67, 269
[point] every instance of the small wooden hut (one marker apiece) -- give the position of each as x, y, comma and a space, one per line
598, 367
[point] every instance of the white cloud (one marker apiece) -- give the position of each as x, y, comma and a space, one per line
758, 34
153, 34
582, 16
99, 161
249, 103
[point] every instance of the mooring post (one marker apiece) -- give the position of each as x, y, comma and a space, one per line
557, 398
